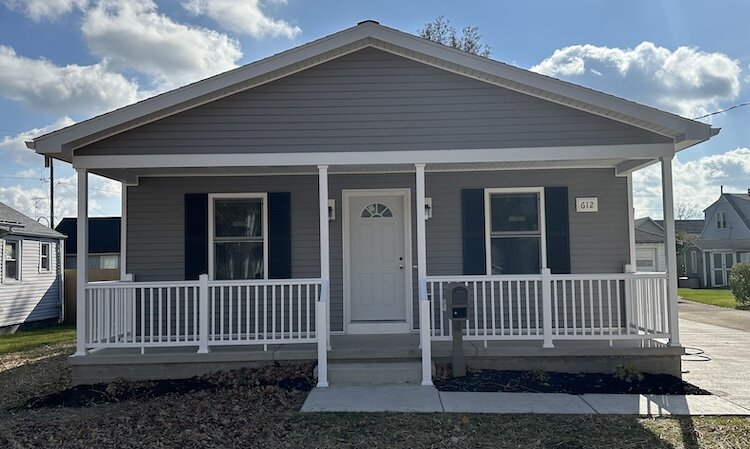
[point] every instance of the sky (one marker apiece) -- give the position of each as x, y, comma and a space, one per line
63, 61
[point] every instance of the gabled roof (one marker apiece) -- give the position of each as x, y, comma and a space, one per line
691, 227
642, 236
741, 204
19, 224
104, 234
61, 143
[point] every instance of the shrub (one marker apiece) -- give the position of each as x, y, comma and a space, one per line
739, 282
628, 374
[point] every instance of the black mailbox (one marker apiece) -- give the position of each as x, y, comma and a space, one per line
458, 299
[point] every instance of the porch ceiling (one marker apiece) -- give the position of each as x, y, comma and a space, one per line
131, 176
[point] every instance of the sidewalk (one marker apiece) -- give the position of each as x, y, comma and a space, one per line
406, 398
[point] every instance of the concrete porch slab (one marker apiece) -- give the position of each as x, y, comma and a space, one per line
544, 403
662, 405
374, 398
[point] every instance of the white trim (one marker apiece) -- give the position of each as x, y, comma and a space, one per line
389, 327
670, 256
123, 230
19, 259
82, 257
631, 221
264, 205
49, 257
375, 157
488, 224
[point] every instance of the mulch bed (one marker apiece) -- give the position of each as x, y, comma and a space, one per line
283, 377
578, 383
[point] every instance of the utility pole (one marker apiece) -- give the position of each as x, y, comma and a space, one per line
48, 163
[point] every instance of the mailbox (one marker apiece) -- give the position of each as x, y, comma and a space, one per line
458, 301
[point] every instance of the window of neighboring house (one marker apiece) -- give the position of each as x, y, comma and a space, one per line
721, 220
514, 225
693, 262
44, 256
238, 230
12, 261
744, 257
104, 261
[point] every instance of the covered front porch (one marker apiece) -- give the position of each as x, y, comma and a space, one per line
542, 319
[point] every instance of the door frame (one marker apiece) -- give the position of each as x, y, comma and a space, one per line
723, 267
375, 327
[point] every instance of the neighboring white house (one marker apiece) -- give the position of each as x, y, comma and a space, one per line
321, 203
30, 271
649, 242
724, 242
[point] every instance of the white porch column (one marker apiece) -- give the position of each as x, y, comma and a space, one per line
123, 230
631, 220
424, 304
82, 252
321, 311
671, 247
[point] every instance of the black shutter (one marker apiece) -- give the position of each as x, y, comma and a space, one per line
472, 227
196, 235
558, 229
279, 235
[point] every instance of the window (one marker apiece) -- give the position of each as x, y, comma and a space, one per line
12, 261
744, 257
104, 261
44, 256
515, 224
721, 220
693, 262
238, 228
376, 210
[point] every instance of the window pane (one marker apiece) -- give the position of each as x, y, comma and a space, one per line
108, 262
11, 269
717, 260
238, 218
10, 250
45, 250
515, 212
718, 277
729, 257
238, 260
516, 255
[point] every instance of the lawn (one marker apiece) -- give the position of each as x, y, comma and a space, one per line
713, 296
254, 415
25, 340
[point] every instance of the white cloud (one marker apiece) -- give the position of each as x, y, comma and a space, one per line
685, 81
133, 35
38, 10
696, 183
45, 86
33, 200
13, 148
244, 17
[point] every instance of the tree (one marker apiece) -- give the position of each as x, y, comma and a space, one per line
441, 31
685, 211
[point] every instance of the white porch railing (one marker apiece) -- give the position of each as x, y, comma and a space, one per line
580, 307
200, 313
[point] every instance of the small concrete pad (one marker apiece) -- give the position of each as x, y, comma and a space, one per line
662, 405
373, 398
546, 403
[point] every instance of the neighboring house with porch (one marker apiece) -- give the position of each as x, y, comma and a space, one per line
318, 205
724, 242
31, 265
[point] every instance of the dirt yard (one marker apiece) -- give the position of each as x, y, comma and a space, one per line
249, 413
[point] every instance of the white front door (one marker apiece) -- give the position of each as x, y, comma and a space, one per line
722, 265
378, 262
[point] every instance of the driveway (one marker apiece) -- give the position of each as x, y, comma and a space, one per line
717, 341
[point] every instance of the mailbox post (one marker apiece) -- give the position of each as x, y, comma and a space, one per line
458, 302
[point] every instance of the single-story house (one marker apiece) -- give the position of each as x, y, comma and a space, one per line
104, 242
31, 264
725, 240
649, 242
321, 204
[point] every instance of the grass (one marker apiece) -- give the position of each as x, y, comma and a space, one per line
25, 340
712, 296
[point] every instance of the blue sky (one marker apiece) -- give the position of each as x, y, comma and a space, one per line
66, 60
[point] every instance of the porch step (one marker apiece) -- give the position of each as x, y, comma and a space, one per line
374, 373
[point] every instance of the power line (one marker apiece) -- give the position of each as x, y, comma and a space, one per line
76, 195
723, 110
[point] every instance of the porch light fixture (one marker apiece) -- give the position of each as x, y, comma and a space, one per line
427, 208
331, 210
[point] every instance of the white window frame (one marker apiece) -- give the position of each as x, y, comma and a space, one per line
49, 257
19, 261
488, 223
721, 220
212, 197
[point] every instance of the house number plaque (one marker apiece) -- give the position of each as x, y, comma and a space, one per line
587, 204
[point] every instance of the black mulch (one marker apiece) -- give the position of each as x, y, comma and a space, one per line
579, 383
284, 377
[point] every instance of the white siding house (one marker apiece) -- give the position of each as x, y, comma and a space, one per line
30, 271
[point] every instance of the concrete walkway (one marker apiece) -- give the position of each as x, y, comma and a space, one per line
406, 398
718, 316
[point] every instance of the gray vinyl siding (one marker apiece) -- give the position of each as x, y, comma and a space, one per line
370, 100
155, 224
37, 296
